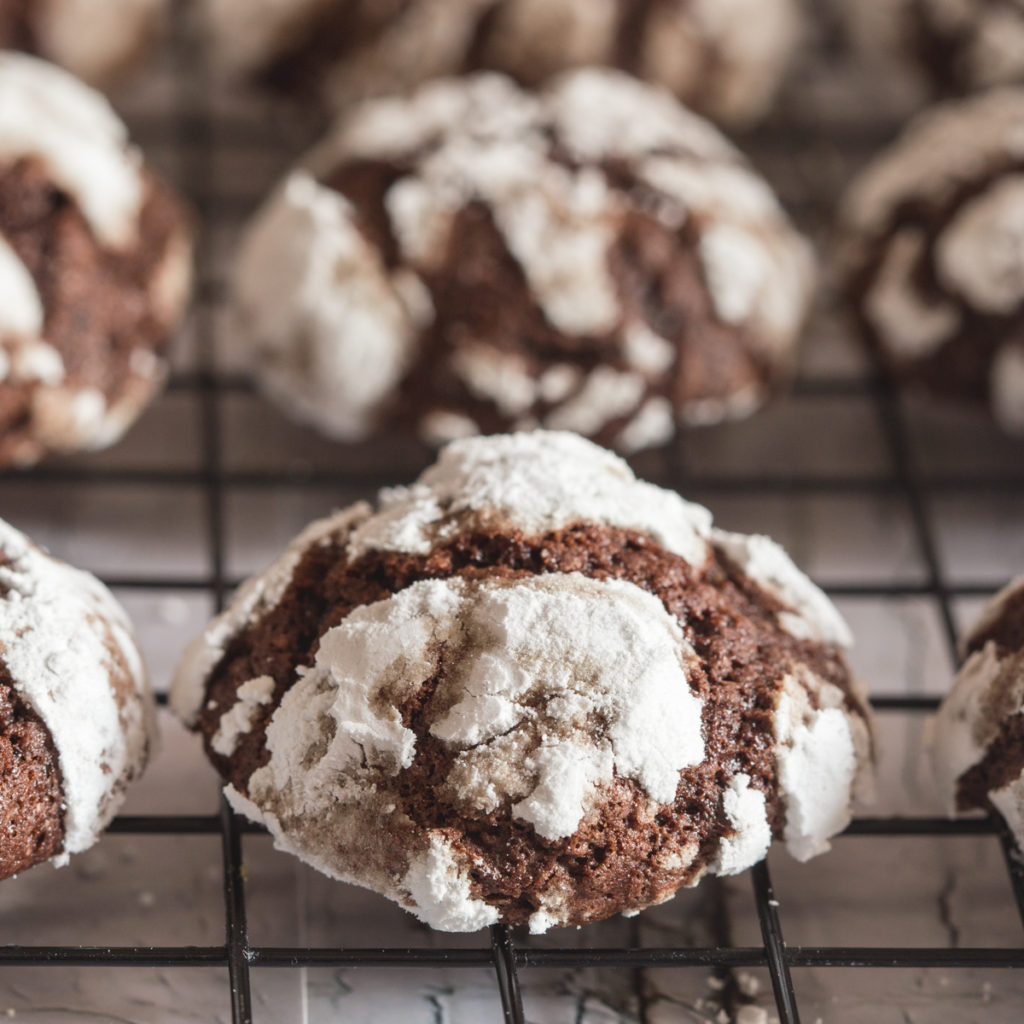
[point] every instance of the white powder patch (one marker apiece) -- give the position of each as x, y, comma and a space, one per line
737, 268
533, 482
439, 887
501, 377
962, 730
646, 351
654, 424
909, 325
744, 806
558, 382
46, 113
816, 759
706, 412
21, 308
980, 254
238, 719
438, 427
594, 674
333, 330
253, 600
64, 639
37, 362
1006, 380
812, 615
606, 395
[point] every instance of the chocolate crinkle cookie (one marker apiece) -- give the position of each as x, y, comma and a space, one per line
530, 688
76, 714
724, 59
477, 259
977, 739
95, 265
94, 39
968, 44
932, 247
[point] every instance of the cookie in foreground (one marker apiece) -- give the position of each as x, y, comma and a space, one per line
77, 721
932, 250
977, 737
95, 267
530, 688
477, 258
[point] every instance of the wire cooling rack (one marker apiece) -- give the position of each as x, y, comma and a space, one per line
187, 124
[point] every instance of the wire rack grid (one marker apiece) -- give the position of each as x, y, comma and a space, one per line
198, 136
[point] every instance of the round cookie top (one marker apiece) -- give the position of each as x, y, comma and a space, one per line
74, 700
95, 41
977, 739
724, 59
94, 266
932, 242
529, 688
475, 257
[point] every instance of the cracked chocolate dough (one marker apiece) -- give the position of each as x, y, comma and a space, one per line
530, 688
96, 40
76, 714
977, 740
932, 250
95, 265
724, 58
476, 258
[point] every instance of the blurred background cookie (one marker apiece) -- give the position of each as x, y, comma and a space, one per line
94, 39
77, 720
476, 258
725, 58
932, 249
95, 265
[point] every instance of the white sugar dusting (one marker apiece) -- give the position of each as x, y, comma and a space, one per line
253, 599
66, 642
818, 760
745, 808
331, 328
532, 482
238, 719
21, 308
810, 615
47, 113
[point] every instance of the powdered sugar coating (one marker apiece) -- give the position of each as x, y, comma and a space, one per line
809, 614
21, 311
68, 648
316, 292
821, 751
995, 607
252, 600
532, 482
46, 113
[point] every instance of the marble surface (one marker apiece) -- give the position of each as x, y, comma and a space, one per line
815, 471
